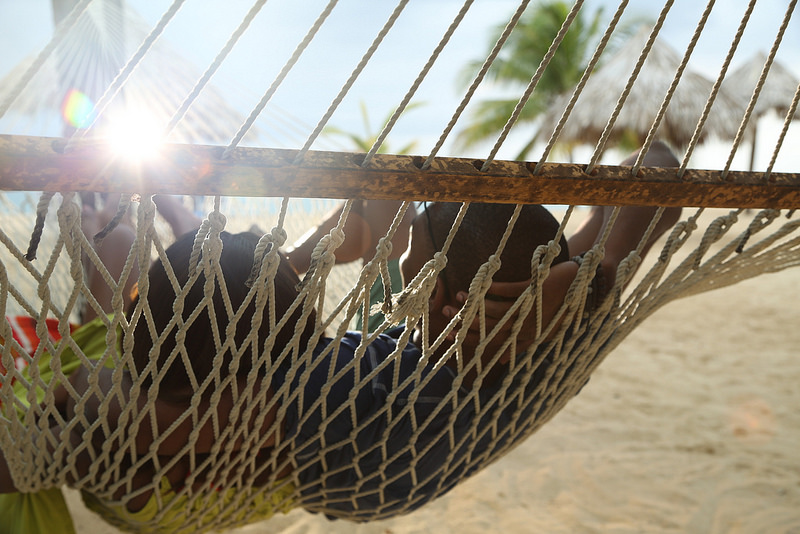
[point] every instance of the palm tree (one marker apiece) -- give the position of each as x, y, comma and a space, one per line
519, 60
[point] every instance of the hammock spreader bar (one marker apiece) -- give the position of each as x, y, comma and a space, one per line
35, 163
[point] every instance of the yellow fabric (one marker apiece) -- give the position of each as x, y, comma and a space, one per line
264, 504
43, 512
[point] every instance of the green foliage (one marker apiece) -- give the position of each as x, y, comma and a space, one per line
363, 143
519, 60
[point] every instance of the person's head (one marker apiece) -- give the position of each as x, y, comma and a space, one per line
477, 239
235, 262
659, 155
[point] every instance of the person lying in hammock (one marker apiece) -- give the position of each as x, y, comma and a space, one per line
367, 222
355, 432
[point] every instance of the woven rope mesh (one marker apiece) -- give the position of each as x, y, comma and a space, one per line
207, 402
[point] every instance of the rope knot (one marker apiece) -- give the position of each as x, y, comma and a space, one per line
714, 233
593, 256
679, 234
384, 248
334, 239
278, 236
413, 301
217, 221
148, 210
763, 219
493, 264
69, 213
439, 262
482, 279
627, 267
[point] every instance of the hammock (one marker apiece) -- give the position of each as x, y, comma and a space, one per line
288, 409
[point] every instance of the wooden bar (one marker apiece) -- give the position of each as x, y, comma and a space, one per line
40, 164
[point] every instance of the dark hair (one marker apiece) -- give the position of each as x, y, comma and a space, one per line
480, 233
236, 261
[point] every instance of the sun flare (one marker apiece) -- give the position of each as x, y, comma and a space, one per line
135, 136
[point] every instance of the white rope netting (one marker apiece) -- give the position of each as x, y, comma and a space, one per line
229, 388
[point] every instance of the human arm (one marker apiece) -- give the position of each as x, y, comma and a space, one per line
368, 221
626, 234
356, 233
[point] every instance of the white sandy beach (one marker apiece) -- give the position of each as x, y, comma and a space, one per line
691, 425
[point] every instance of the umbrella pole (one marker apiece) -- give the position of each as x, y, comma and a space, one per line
753, 145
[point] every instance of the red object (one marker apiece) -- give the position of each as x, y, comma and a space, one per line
24, 332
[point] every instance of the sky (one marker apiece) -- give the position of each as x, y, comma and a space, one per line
201, 29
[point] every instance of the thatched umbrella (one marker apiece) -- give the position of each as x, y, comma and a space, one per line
776, 94
603, 89
92, 54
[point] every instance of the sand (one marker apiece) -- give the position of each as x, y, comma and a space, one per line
690, 425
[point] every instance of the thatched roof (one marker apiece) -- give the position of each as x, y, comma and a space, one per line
92, 54
778, 89
603, 89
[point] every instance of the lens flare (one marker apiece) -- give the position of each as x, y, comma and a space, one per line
134, 136
77, 109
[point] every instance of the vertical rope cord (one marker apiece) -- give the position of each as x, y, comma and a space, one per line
543, 270
215, 219
69, 223
121, 78
412, 302
759, 85
601, 46
139, 253
327, 245
551, 51
382, 251
477, 289
61, 32
677, 237
38, 225
601, 143
248, 123
417, 82
15, 292
351, 80
476, 82
787, 121
204, 79
122, 209
262, 272
714, 90
673, 86
630, 263
274, 240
